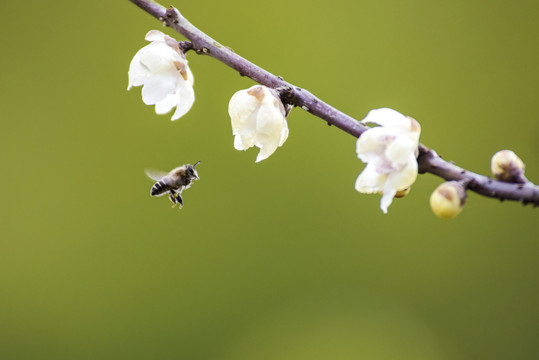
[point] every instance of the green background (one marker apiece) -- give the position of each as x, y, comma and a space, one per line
277, 260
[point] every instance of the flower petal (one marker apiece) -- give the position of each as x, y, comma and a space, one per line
405, 177
269, 126
155, 35
387, 199
157, 87
137, 72
387, 117
240, 108
370, 181
186, 98
400, 149
264, 153
238, 144
168, 103
284, 133
373, 140
159, 57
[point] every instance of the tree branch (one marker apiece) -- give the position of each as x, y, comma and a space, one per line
428, 160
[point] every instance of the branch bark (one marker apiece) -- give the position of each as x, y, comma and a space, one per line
428, 161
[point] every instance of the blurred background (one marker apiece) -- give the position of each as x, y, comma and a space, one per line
277, 260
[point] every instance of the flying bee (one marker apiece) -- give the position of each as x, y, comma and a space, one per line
174, 182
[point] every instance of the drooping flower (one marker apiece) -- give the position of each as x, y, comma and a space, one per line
390, 152
161, 68
258, 119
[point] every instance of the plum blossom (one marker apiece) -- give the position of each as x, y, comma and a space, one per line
161, 68
390, 152
258, 119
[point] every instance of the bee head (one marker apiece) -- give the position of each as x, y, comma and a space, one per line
193, 174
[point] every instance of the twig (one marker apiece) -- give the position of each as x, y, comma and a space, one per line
428, 160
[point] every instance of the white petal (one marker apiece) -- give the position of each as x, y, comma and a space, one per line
186, 98
404, 178
155, 35
269, 125
240, 108
267, 148
400, 149
238, 145
387, 117
159, 57
370, 181
234, 105
269, 122
365, 146
242, 105
248, 136
387, 199
168, 103
375, 140
263, 154
284, 133
157, 87
137, 72
243, 109
247, 129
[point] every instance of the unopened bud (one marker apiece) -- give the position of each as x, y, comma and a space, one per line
448, 199
507, 166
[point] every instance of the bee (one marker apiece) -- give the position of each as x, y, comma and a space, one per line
174, 182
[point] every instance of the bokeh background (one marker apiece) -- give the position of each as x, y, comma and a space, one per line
276, 260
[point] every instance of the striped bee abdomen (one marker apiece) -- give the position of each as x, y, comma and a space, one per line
159, 188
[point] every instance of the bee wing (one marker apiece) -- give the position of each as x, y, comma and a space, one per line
155, 175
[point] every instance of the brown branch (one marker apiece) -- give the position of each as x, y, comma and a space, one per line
428, 160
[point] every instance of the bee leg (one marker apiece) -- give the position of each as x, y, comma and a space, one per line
172, 198
179, 199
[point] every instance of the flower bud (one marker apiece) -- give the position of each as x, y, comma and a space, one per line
507, 166
448, 199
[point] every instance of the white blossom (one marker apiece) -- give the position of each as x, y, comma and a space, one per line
258, 119
390, 152
162, 70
